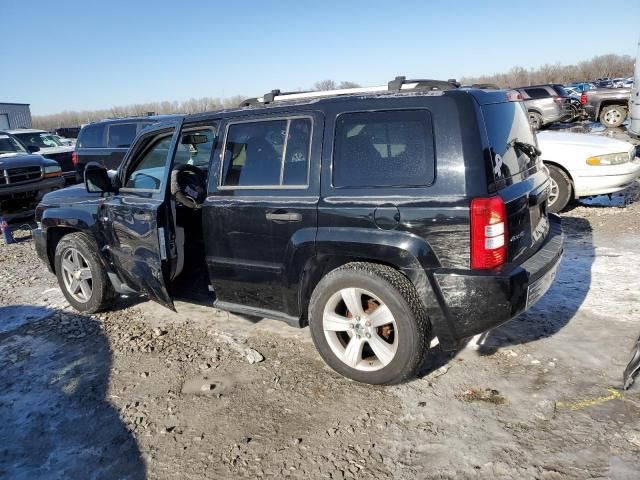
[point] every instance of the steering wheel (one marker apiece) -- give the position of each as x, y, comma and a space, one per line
188, 185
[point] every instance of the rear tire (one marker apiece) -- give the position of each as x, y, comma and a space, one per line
381, 349
561, 190
535, 119
613, 116
81, 275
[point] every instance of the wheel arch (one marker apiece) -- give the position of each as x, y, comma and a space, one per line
59, 222
608, 103
560, 167
402, 251
54, 235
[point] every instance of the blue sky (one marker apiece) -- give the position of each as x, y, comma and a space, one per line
85, 54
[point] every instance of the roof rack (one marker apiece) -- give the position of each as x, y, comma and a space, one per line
396, 85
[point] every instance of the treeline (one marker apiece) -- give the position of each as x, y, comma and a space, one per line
598, 67
602, 66
194, 105
74, 118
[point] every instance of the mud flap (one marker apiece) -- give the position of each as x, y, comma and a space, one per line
633, 367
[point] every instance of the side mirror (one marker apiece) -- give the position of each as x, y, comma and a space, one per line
33, 148
96, 179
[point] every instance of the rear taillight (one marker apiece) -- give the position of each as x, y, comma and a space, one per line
74, 158
513, 96
488, 233
558, 99
583, 99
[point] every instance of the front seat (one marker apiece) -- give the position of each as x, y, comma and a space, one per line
262, 164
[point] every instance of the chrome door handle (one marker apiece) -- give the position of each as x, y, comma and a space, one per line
284, 217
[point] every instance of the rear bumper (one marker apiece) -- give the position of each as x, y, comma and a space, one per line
473, 302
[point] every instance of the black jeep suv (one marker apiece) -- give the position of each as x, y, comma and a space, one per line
380, 217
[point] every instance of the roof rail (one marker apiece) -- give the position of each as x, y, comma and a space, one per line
395, 85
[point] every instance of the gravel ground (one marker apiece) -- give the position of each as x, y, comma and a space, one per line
142, 392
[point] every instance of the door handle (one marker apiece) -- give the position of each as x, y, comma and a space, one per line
284, 217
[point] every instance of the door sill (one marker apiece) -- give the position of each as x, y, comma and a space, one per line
257, 312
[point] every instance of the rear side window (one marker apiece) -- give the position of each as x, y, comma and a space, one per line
121, 135
383, 149
91, 136
509, 134
537, 92
270, 153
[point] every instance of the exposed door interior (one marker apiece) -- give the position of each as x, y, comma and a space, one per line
186, 190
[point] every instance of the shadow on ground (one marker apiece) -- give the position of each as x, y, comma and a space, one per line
55, 420
552, 313
563, 300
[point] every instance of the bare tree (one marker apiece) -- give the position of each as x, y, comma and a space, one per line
325, 85
348, 84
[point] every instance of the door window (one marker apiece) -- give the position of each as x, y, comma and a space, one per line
374, 149
121, 135
537, 92
272, 153
91, 136
150, 171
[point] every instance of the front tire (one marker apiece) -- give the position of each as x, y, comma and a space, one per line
561, 190
613, 116
81, 276
368, 323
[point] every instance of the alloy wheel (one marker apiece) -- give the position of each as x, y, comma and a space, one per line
360, 329
77, 275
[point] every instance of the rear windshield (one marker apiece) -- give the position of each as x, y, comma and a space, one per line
561, 90
510, 138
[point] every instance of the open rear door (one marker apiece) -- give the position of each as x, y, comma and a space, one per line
137, 219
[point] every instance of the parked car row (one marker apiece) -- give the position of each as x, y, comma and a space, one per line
599, 101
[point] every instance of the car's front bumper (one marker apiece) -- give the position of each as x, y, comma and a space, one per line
33, 191
474, 301
601, 180
40, 241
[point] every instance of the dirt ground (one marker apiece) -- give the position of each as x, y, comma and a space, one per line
142, 392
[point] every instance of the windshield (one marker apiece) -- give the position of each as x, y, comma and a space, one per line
39, 139
10, 145
197, 154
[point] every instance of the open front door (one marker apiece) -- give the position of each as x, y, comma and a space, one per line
137, 220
